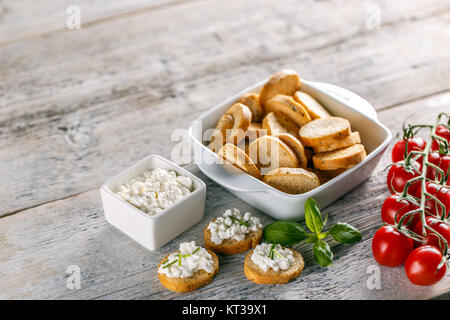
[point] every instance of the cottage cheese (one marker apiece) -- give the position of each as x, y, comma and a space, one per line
228, 228
155, 190
282, 258
193, 259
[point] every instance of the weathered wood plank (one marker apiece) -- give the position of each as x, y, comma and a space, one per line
24, 19
80, 106
37, 245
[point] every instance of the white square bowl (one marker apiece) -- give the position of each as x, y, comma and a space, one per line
153, 231
280, 205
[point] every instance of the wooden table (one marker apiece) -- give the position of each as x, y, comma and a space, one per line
79, 106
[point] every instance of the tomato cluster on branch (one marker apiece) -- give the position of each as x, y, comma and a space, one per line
416, 215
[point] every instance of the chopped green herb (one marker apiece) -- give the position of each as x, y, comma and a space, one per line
168, 265
272, 247
244, 223
179, 259
195, 251
278, 254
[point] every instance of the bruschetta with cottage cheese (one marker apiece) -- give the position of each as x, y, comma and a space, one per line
272, 264
233, 233
188, 268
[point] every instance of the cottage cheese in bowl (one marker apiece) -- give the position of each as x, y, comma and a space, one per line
268, 256
155, 190
233, 225
188, 260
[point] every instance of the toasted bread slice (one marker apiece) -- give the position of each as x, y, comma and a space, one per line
269, 151
321, 132
339, 159
254, 273
238, 158
197, 280
292, 180
275, 124
232, 246
283, 82
242, 117
288, 106
314, 108
218, 137
295, 146
254, 131
251, 100
336, 144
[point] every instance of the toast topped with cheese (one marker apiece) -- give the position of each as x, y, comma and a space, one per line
188, 268
272, 264
233, 233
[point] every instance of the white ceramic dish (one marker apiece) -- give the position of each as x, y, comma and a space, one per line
153, 231
340, 102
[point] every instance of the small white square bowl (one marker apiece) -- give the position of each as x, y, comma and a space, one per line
280, 205
152, 232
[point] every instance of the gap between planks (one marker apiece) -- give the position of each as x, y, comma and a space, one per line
114, 17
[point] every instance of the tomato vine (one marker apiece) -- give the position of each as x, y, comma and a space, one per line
411, 158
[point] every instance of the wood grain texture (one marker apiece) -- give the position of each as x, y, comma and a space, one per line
80, 106
37, 246
24, 19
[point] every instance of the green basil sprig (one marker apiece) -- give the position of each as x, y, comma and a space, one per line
287, 233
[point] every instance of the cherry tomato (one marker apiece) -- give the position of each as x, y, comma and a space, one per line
394, 204
390, 247
445, 166
414, 144
434, 158
431, 238
398, 176
421, 266
442, 131
442, 194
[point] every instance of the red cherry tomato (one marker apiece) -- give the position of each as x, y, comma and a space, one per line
394, 204
442, 131
434, 158
421, 266
431, 238
390, 247
445, 166
442, 193
414, 144
398, 176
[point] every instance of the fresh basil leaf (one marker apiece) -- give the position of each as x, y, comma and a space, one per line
313, 217
325, 218
322, 253
345, 233
322, 235
285, 233
311, 238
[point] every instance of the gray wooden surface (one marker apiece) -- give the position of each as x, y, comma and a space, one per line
77, 107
